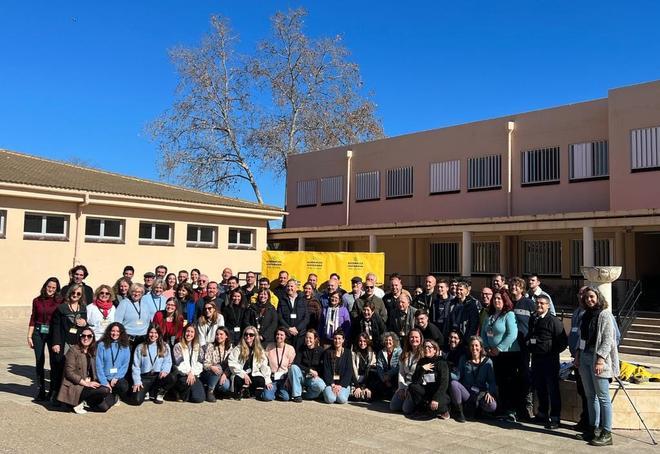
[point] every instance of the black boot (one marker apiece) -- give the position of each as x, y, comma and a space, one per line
588, 434
210, 397
457, 413
603, 439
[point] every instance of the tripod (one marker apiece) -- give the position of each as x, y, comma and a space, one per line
621, 386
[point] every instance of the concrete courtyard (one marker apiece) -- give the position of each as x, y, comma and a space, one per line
250, 426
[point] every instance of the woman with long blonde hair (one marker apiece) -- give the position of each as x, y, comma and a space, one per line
249, 366
189, 362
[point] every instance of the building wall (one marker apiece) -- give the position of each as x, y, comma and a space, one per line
33, 261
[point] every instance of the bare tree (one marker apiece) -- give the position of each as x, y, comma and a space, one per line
235, 114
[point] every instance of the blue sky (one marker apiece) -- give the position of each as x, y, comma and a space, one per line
81, 79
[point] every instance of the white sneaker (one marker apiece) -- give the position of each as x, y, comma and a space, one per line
80, 408
117, 401
160, 398
146, 396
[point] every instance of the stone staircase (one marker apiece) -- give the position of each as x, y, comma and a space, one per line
643, 336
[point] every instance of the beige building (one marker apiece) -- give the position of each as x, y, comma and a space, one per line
545, 192
54, 215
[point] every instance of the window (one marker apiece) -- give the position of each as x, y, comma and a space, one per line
445, 177
45, 226
485, 173
3, 223
602, 254
588, 160
400, 182
307, 193
201, 236
242, 238
104, 230
542, 257
540, 166
444, 258
156, 233
332, 190
486, 257
367, 186
645, 148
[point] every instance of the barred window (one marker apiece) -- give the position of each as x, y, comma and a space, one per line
306, 193
332, 190
367, 186
486, 257
602, 254
588, 160
542, 257
400, 182
444, 258
445, 177
540, 166
485, 173
645, 148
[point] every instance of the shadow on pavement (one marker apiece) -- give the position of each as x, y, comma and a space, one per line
23, 371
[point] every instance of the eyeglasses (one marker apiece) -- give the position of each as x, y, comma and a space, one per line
86, 336
429, 346
104, 293
209, 308
248, 335
76, 294
369, 287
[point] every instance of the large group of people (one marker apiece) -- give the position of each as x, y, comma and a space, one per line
436, 352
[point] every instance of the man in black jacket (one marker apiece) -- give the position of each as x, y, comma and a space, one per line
292, 314
429, 330
546, 340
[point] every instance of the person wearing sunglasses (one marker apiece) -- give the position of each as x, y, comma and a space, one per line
249, 366
80, 386
208, 323
189, 362
39, 333
152, 364
69, 318
101, 313
428, 388
113, 356
369, 296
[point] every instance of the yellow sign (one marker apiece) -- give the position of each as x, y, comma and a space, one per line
301, 264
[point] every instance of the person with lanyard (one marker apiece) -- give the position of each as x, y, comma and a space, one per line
370, 323
597, 359
186, 302
501, 344
263, 315
155, 299
304, 377
235, 316
170, 322
152, 364
314, 308
249, 366
426, 299
280, 358
334, 317
546, 339
39, 337
69, 318
101, 313
113, 356
120, 290
337, 370
216, 375
410, 356
80, 387
135, 315
364, 369
208, 323
292, 314
428, 387
402, 320
189, 363
442, 307
473, 389
387, 365
486, 299
250, 287
573, 342
349, 298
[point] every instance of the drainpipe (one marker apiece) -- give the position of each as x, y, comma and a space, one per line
79, 212
349, 155
510, 127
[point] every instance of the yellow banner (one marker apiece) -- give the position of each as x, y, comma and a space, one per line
345, 264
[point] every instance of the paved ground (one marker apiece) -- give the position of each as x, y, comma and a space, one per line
231, 426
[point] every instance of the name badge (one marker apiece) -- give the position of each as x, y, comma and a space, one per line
574, 329
172, 340
278, 375
474, 389
360, 378
248, 371
294, 316
532, 341
139, 322
237, 329
105, 323
73, 330
44, 329
583, 344
114, 370
490, 333
336, 377
429, 378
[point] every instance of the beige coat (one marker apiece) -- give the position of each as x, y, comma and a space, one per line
75, 369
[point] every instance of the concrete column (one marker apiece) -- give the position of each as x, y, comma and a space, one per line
373, 243
504, 256
301, 243
601, 277
412, 256
588, 245
620, 248
466, 248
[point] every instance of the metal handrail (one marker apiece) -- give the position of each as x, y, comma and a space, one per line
627, 312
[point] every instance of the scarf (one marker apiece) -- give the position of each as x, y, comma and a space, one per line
104, 307
331, 321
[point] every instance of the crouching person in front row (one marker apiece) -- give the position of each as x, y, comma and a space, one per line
428, 388
152, 363
249, 366
189, 363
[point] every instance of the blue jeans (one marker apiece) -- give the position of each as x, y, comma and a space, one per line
331, 398
278, 390
313, 386
212, 381
597, 391
398, 404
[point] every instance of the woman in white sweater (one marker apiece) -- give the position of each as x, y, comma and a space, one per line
189, 363
249, 366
